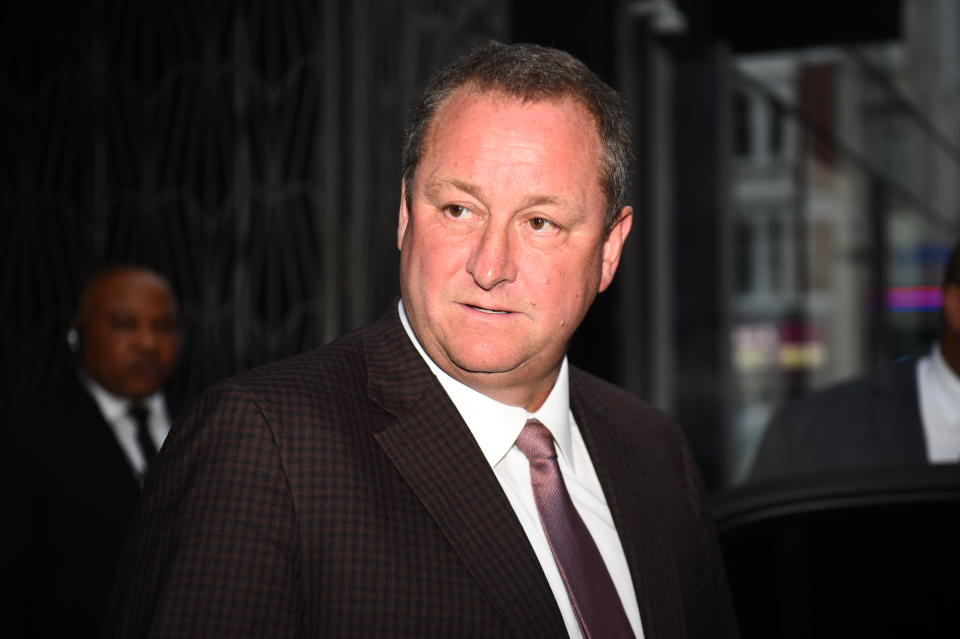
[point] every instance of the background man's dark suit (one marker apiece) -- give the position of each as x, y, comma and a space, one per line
70, 487
866, 423
75, 492
352, 501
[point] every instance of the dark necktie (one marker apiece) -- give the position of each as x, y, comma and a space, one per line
589, 586
140, 415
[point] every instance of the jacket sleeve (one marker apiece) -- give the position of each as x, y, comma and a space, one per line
717, 620
212, 549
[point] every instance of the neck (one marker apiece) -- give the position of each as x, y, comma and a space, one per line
530, 397
950, 349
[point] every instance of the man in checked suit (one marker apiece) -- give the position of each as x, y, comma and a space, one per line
375, 486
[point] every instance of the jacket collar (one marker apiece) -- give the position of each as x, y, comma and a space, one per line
629, 472
432, 448
897, 409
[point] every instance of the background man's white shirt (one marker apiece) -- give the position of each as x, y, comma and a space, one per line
115, 411
938, 387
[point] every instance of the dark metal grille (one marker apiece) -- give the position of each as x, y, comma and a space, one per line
248, 150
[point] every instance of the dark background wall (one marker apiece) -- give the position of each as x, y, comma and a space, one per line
248, 150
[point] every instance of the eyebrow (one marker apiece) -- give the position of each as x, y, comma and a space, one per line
433, 189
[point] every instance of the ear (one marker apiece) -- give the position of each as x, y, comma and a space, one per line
613, 245
951, 308
404, 218
73, 338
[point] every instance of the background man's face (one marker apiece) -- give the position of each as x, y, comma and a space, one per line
129, 333
504, 251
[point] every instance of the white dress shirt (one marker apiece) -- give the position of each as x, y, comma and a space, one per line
939, 388
115, 411
496, 427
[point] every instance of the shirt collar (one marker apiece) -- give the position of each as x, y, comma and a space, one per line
945, 377
494, 425
113, 406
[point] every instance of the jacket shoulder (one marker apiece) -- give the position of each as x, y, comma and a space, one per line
836, 427
615, 403
844, 405
337, 366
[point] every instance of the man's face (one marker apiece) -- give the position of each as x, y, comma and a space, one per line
129, 333
503, 249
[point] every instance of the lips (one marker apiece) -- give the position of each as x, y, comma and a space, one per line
489, 311
147, 369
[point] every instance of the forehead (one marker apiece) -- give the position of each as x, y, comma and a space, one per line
127, 290
478, 118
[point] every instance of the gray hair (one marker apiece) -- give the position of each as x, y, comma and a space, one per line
531, 73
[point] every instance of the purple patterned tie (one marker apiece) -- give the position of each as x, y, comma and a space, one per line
591, 591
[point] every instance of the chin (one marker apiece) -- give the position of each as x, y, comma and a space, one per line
482, 360
142, 390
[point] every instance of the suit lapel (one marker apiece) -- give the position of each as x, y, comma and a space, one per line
438, 457
898, 415
89, 432
627, 473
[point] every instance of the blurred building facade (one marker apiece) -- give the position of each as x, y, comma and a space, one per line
844, 206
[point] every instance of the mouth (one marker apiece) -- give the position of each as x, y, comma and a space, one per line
147, 369
489, 311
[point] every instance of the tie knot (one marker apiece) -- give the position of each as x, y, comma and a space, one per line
139, 413
535, 441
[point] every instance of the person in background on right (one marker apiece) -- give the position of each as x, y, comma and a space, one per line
907, 415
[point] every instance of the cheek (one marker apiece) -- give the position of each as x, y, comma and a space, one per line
440, 259
121, 352
567, 291
170, 346
110, 349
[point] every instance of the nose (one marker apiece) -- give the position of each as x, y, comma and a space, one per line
147, 338
492, 261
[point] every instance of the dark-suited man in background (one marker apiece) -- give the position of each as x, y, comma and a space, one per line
907, 415
74, 459
373, 487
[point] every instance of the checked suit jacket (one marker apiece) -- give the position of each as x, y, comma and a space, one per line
339, 493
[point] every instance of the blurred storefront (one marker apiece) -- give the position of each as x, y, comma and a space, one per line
844, 203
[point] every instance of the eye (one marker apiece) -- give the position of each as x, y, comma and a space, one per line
165, 326
456, 211
540, 223
123, 323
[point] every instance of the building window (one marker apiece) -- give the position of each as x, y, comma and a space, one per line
777, 122
743, 256
742, 142
776, 254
